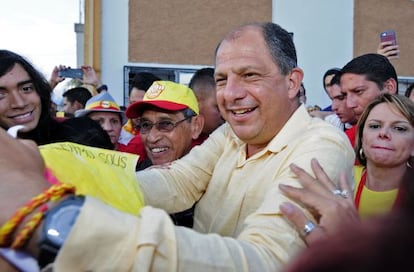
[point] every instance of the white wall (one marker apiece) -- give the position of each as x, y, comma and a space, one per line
323, 34
114, 45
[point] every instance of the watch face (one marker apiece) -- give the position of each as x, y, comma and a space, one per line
61, 223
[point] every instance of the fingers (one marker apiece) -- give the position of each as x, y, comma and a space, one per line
344, 185
321, 175
294, 214
298, 218
322, 185
310, 199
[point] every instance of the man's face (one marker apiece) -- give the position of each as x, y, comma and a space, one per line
252, 95
344, 113
136, 95
70, 107
167, 146
359, 92
209, 110
110, 122
19, 102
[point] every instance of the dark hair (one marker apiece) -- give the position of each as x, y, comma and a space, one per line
300, 93
202, 82
409, 90
332, 71
404, 106
375, 67
46, 123
80, 94
202, 76
142, 81
277, 39
83, 130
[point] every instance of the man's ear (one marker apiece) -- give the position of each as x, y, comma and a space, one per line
295, 79
390, 86
197, 124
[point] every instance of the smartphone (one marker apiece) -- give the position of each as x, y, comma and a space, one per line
389, 35
72, 73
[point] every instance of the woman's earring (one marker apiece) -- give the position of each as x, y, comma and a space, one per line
408, 162
361, 154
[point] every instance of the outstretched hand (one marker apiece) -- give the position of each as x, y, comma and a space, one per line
333, 207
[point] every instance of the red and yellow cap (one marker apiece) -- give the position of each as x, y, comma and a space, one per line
101, 102
165, 95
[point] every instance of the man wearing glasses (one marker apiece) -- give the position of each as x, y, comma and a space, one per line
169, 121
169, 125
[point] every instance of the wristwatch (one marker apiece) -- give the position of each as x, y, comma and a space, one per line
57, 224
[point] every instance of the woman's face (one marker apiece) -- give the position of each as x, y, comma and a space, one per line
110, 122
19, 102
388, 137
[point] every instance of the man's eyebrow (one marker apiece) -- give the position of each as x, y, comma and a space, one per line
19, 83
24, 82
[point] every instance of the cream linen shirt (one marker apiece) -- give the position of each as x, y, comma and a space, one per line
237, 224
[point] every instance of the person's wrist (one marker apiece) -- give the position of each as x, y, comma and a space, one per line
102, 88
32, 246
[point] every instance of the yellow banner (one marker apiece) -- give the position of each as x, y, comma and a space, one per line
105, 174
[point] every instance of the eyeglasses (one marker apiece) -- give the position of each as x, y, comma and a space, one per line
145, 127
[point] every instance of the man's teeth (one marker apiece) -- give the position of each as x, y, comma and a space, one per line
158, 149
241, 111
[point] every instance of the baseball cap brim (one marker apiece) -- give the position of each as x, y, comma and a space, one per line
135, 110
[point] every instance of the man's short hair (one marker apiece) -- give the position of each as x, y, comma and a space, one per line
375, 67
143, 80
279, 42
80, 94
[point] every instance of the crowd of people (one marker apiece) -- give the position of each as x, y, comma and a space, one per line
236, 172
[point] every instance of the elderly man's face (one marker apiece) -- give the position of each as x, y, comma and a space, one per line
163, 146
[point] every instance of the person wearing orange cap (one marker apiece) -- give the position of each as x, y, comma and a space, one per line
103, 109
169, 121
169, 125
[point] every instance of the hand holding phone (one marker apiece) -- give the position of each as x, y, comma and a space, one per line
71, 73
390, 50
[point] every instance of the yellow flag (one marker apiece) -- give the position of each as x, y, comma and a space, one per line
104, 174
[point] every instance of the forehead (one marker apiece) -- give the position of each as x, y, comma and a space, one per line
104, 115
386, 111
349, 82
245, 44
155, 114
335, 90
137, 92
328, 78
16, 75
